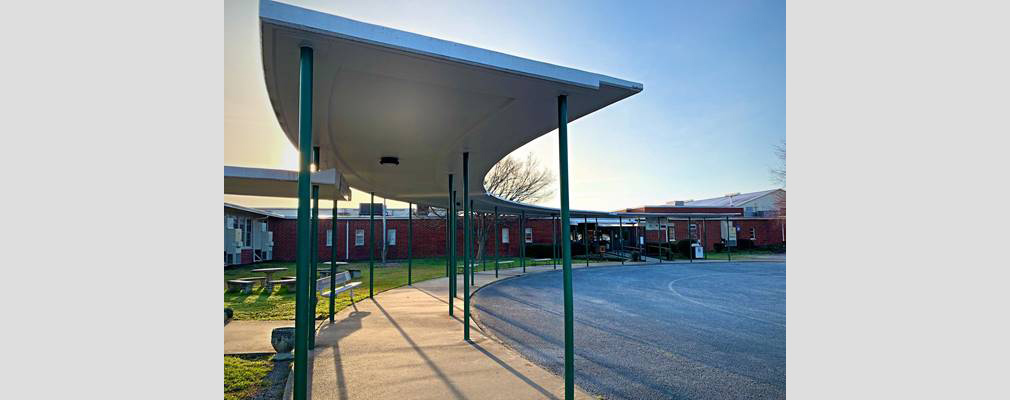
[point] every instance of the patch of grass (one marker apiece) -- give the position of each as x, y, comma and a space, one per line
737, 254
244, 376
280, 305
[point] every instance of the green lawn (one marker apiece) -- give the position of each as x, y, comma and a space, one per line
280, 305
738, 254
244, 376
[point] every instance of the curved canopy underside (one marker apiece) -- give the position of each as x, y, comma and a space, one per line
383, 92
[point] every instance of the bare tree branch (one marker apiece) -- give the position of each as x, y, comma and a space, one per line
523, 181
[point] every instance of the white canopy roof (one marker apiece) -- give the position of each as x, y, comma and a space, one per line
281, 183
383, 92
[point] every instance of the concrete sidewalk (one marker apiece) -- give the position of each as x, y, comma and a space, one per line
403, 344
242, 337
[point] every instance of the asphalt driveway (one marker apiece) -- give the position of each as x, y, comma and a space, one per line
680, 331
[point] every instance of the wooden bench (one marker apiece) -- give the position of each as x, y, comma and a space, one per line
237, 284
535, 260
341, 278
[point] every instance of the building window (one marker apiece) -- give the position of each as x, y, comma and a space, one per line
693, 231
671, 233
359, 237
391, 237
753, 234
504, 235
529, 235
247, 232
329, 238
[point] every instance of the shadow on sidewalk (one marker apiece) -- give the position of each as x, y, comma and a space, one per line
519, 375
329, 336
431, 364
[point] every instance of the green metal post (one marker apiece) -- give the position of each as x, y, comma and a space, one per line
690, 250
455, 262
314, 273
585, 237
597, 236
371, 247
410, 242
554, 243
620, 231
729, 250
333, 251
483, 254
302, 326
497, 238
566, 248
466, 246
473, 246
522, 239
450, 219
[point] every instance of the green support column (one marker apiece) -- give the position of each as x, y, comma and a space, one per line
371, 247
450, 220
466, 246
333, 250
690, 250
313, 270
522, 239
473, 246
497, 238
410, 242
620, 235
302, 326
455, 261
729, 250
585, 238
554, 243
566, 248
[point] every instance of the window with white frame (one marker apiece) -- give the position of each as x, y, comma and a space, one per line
671, 232
359, 237
693, 231
329, 238
391, 237
247, 232
753, 234
529, 235
504, 235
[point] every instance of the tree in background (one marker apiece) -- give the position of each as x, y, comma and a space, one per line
518, 180
779, 174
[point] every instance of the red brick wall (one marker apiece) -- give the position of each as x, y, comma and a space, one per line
429, 236
247, 256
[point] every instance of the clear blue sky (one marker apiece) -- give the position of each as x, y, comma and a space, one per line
712, 110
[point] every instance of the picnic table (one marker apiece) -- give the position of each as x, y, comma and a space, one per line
269, 272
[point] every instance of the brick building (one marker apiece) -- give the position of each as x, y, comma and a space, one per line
752, 219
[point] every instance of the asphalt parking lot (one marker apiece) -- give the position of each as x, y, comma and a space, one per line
663, 331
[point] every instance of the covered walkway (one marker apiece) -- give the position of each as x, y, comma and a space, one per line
402, 344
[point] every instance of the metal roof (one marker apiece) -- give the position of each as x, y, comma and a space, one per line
736, 200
